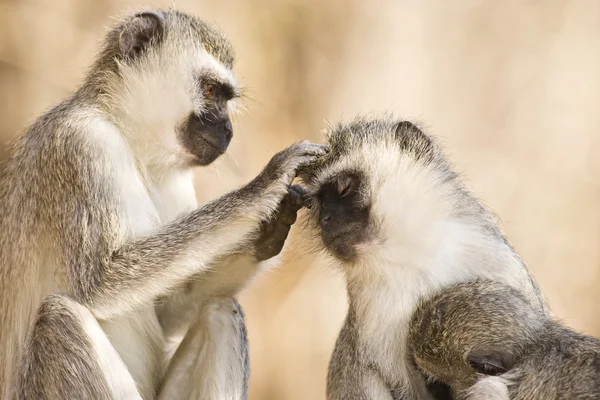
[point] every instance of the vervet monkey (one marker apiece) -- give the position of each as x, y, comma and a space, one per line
401, 225
485, 341
99, 220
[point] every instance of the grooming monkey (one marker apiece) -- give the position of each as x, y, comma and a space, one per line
99, 221
387, 205
485, 341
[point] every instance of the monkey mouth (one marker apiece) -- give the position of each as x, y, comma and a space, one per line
217, 146
341, 244
204, 150
336, 237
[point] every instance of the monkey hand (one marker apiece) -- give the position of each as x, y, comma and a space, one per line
274, 231
283, 167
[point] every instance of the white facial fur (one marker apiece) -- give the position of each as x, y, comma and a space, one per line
157, 93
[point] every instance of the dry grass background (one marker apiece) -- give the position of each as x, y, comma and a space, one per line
512, 88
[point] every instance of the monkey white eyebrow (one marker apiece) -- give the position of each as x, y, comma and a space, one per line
330, 172
231, 90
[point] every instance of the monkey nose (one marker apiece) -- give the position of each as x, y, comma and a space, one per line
228, 129
325, 220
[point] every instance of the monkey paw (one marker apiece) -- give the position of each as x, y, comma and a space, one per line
284, 166
274, 232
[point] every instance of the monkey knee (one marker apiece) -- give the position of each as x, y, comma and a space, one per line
227, 322
237, 308
57, 313
59, 325
57, 305
58, 360
226, 311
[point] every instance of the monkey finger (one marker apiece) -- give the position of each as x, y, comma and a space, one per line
308, 203
301, 191
309, 154
307, 165
307, 148
289, 208
319, 150
286, 207
297, 195
291, 202
282, 231
288, 218
268, 227
306, 198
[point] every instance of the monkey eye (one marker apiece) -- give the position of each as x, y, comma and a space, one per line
345, 185
210, 90
487, 365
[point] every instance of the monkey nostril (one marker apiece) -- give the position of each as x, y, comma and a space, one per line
228, 128
325, 221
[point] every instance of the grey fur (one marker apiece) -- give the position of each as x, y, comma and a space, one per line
180, 26
489, 321
54, 364
63, 228
386, 153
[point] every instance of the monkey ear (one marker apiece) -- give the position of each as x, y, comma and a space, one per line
143, 29
413, 139
406, 126
489, 363
406, 131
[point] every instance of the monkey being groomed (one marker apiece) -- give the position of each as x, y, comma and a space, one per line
105, 256
401, 225
484, 340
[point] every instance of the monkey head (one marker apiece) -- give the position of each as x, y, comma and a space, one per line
379, 192
167, 79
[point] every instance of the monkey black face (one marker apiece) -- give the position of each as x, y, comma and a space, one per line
343, 214
207, 135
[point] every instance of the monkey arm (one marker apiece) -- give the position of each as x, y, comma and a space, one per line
141, 269
110, 273
351, 381
350, 377
226, 278
347, 377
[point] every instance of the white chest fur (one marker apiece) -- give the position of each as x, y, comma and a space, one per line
383, 312
147, 202
138, 336
386, 289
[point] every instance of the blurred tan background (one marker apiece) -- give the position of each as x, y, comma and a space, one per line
512, 88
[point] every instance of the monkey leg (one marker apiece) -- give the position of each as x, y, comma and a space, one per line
212, 361
68, 356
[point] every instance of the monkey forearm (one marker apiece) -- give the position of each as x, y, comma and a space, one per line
143, 269
229, 276
121, 276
